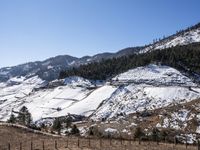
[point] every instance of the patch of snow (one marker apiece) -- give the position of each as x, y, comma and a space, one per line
77, 81
16, 80
49, 67
198, 129
111, 130
72, 63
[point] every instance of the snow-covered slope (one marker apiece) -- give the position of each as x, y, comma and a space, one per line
154, 75
89, 104
147, 88
12, 95
137, 98
183, 38
76, 96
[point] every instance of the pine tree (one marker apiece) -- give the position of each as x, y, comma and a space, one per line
57, 125
24, 117
68, 122
12, 119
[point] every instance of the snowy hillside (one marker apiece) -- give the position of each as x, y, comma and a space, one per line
154, 75
149, 88
185, 38
132, 99
12, 95
74, 96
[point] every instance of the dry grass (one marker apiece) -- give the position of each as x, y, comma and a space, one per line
16, 135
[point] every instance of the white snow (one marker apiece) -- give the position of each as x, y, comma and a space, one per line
168, 86
198, 130
12, 96
111, 130
73, 98
133, 98
77, 81
16, 80
77, 100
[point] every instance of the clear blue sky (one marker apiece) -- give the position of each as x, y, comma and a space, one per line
37, 29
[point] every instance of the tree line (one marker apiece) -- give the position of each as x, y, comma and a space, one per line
184, 58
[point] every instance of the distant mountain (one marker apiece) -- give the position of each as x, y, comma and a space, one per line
50, 68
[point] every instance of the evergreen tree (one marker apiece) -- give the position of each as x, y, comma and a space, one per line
57, 125
68, 122
24, 117
12, 119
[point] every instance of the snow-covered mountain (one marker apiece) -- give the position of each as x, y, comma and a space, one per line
49, 69
149, 87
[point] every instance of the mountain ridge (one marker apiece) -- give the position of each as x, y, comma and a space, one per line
50, 68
